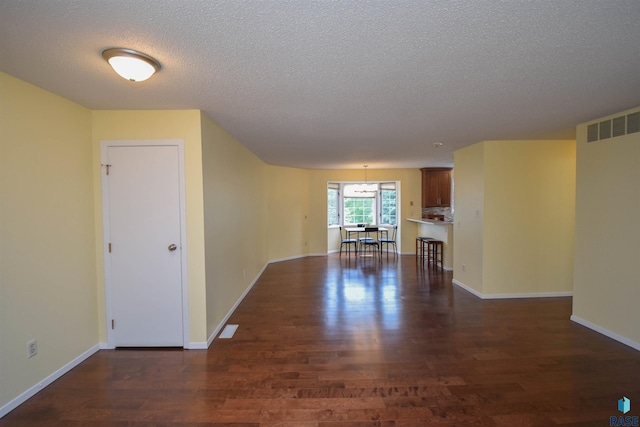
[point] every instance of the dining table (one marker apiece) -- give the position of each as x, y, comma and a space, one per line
380, 232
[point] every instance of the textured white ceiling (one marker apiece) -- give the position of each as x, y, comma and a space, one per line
337, 84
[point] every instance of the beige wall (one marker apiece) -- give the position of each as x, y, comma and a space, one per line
606, 291
516, 200
182, 124
288, 195
469, 216
47, 255
529, 199
235, 224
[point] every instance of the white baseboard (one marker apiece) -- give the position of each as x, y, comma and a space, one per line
466, 288
30, 392
287, 259
514, 295
197, 345
626, 341
204, 346
528, 295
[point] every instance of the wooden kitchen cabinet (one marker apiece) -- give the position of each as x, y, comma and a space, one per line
436, 187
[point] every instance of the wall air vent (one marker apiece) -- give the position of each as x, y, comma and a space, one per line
605, 129
619, 126
633, 123
592, 132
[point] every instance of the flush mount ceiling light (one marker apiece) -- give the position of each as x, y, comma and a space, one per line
131, 64
438, 144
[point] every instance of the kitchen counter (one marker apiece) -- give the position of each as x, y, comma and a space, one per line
429, 221
441, 230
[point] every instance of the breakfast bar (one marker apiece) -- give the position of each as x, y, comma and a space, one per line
441, 230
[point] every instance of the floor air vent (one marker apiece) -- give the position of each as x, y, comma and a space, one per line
228, 331
619, 126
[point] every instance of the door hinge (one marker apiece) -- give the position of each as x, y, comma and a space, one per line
113, 324
109, 247
106, 168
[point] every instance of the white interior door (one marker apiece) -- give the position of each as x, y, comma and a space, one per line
144, 245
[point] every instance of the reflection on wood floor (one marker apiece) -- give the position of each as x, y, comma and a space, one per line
330, 341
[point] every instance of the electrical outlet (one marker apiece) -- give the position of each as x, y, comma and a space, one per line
32, 348
464, 267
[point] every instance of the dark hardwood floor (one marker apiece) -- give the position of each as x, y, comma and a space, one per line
329, 341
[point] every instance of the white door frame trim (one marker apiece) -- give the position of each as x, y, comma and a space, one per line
106, 232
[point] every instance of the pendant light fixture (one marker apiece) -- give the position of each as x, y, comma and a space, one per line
130, 64
366, 188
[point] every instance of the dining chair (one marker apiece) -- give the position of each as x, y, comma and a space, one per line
362, 226
346, 241
369, 242
390, 241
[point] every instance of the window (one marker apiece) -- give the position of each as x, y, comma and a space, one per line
388, 203
359, 209
333, 203
362, 204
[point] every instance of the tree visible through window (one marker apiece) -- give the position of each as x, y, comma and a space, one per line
362, 203
358, 210
333, 203
388, 203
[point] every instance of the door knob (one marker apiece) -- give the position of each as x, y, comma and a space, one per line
172, 247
